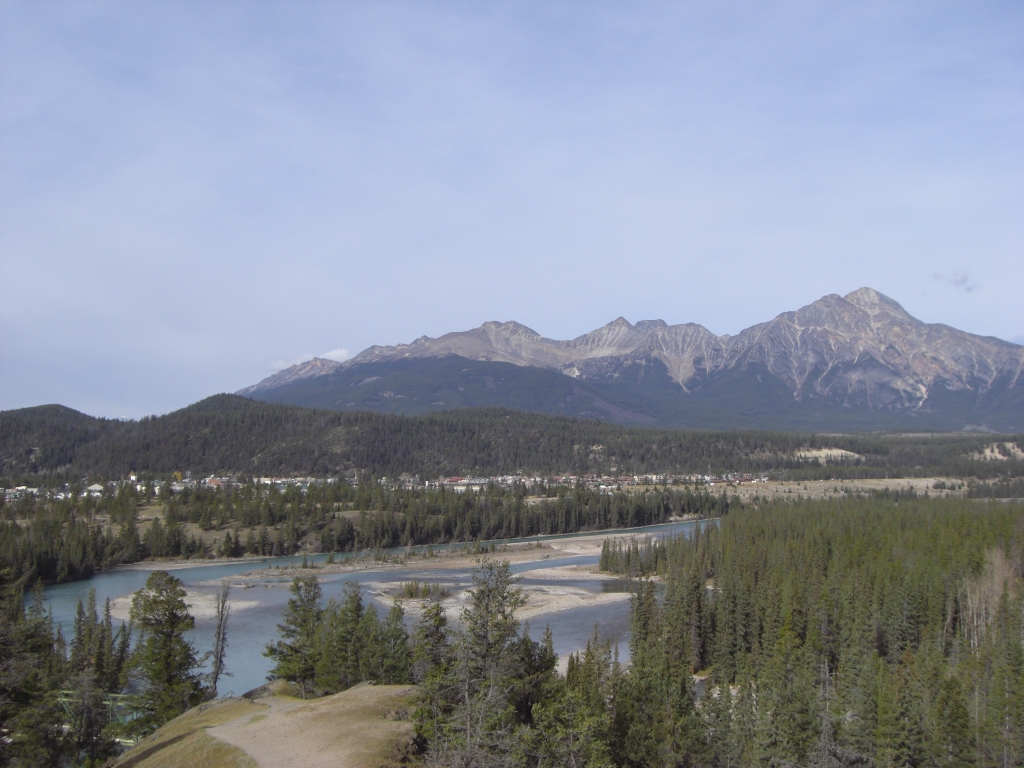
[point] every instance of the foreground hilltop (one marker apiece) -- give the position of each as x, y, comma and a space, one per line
858, 361
363, 727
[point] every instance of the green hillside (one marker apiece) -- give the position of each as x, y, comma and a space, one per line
226, 433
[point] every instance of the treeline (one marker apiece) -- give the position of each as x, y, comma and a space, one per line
326, 649
857, 632
438, 517
838, 632
226, 433
481, 681
73, 538
72, 701
53, 549
1002, 488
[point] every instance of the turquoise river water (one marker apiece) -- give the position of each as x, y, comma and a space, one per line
261, 600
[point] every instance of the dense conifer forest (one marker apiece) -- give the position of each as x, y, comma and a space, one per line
230, 434
837, 633
879, 631
58, 695
73, 538
866, 632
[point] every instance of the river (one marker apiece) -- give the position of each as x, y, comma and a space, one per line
259, 600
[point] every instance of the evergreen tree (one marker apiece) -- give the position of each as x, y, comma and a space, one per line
340, 644
787, 716
955, 741
30, 672
393, 641
432, 660
295, 654
483, 674
164, 661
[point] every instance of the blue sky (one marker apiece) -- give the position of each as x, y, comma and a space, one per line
195, 194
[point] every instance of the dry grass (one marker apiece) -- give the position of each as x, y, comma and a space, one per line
355, 728
364, 727
184, 741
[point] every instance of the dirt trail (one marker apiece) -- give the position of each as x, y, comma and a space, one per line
350, 729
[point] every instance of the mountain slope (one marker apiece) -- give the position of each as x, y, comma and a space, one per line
233, 434
858, 361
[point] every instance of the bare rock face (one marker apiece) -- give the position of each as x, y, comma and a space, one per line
318, 366
861, 350
865, 350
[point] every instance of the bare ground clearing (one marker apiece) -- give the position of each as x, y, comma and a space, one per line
356, 728
363, 727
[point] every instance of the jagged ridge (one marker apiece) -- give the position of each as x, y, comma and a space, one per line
862, 350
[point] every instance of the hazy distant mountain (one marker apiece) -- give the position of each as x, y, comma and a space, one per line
853, 362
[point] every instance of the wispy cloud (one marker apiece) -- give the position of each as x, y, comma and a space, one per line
961, 281
281, 363
338, 355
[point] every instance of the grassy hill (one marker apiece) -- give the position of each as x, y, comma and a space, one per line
363, 727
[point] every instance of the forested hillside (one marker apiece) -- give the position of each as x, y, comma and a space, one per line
889, 630
230, 434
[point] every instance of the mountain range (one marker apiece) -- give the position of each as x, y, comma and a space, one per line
850, 362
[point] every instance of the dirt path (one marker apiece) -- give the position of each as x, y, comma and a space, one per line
350, 729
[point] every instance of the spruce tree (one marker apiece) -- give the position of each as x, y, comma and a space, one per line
295, 654
954, 738
165, 661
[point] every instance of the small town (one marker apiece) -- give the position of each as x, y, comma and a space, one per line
455, 484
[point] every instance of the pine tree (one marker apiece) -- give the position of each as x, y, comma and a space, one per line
393, 641
954, 739
165, 661
432, 660
295, 654
366, 645
339, 642
900, 738
30, 673
483, 675
788, 717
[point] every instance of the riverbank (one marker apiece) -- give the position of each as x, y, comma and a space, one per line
466, 556
442, 556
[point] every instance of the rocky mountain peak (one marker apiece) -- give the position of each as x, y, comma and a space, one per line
860, 351
647, 326
873, 302
510, 329
318, 366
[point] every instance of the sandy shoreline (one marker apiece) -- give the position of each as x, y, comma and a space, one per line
201, 605
517, 552
541, 598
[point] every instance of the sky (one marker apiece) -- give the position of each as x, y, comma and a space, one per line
196, 194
